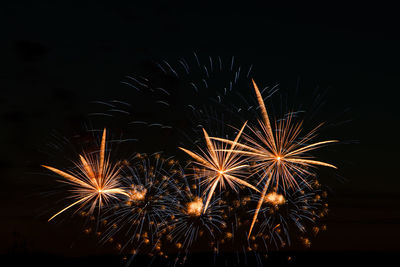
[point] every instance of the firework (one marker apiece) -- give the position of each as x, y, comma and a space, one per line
190, 222
279, 155
220, 165
289, 211
140, 218
95, 182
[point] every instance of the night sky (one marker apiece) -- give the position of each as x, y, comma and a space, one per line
57, 57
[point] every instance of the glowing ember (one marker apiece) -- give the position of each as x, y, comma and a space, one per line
138, 193
195, 207
274, 198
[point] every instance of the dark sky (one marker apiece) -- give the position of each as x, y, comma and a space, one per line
56, 57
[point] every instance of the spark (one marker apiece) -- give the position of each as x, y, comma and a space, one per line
274, 198
195, 207
138, 193
95, 183
220, 165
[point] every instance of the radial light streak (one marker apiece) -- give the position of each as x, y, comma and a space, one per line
220, 165
279, 155
95, 183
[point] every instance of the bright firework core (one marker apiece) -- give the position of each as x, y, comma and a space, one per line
137, 193
274, 198
195, 207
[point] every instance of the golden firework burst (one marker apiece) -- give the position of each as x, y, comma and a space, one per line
220, 164
95, 182
278, 155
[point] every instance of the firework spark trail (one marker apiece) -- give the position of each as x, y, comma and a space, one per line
279, 156
228, 77
95, 184
220, 165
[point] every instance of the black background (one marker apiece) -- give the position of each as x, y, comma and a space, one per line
56, 57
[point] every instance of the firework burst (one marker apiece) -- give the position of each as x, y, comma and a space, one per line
219, 165
279, 155
95, 182
140, 218
190, 222
285, 212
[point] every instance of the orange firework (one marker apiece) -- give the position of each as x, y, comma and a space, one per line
220, 164
274, 198
279, 155
195, 207
96, 181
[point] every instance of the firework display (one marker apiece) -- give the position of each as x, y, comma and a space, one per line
233, 186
